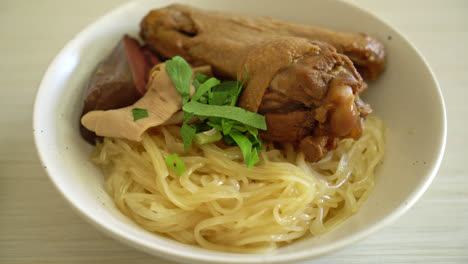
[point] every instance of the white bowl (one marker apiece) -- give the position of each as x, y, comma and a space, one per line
407, 98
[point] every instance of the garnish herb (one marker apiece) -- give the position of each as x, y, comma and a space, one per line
187, 133
204, 88
226, 111
214, 105
250, 155
199, 79
139, 113
175, 163
206, 137
224, 94
227, 126
180, 73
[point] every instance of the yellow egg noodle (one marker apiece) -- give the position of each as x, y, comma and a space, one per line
219, 204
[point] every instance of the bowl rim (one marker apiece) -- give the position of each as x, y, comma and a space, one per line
223, 257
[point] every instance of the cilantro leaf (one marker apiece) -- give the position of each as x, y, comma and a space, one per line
199, 79
257, 144
228, 140
239, 86
181, 74
250, 156
215, 125
202, 127
187, 133
175, 163
139, 113
246, 128
203, 118
253, 131
227, 111
224, 93
215, 119
203, 99
240, 127
204, 88
227, 125
188, 117
253, 158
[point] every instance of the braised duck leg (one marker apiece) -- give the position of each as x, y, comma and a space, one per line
308, 91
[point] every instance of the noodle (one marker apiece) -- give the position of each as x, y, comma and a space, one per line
219, 204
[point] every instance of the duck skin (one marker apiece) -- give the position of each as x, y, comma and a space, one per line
178, 22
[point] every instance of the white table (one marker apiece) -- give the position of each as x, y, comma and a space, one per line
37, 226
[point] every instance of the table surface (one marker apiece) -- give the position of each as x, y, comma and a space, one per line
37, 226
